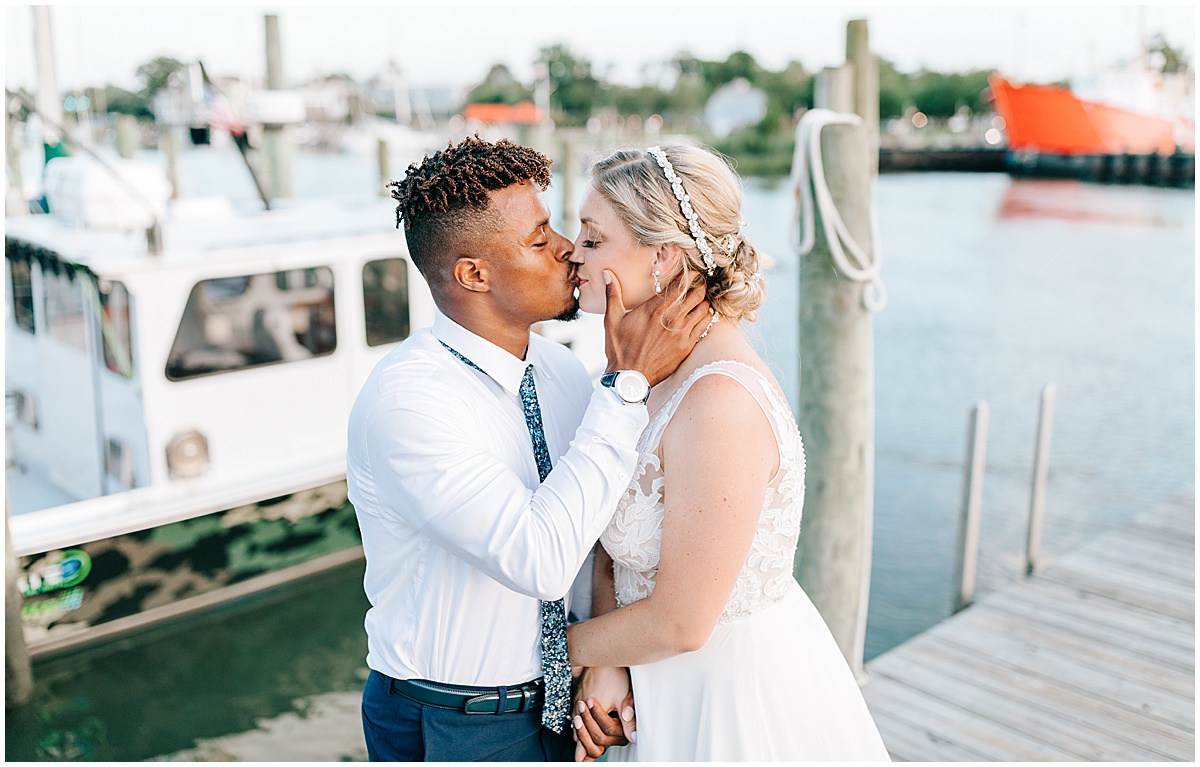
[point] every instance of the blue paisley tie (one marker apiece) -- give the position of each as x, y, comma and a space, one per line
556, 664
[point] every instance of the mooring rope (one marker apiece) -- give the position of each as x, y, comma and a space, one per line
808, 179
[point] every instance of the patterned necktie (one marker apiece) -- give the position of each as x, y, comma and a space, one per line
556, 664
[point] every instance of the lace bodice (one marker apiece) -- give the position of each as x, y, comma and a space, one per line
634, 535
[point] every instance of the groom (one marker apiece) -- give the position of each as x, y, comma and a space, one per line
483, 466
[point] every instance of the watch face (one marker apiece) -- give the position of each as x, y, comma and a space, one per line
631, 388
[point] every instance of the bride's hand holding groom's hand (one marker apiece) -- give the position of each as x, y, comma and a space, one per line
604, 714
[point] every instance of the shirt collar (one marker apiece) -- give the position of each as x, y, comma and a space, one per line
500, 365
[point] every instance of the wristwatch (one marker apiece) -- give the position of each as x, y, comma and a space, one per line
630, 385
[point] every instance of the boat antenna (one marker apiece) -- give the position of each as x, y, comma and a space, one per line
154, 231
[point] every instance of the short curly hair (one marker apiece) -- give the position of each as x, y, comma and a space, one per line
443, 200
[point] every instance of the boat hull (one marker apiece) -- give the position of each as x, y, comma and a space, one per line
109, 587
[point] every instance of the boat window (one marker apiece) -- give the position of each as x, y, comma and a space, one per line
22, 292
385, 300
114, 328
236, 323
65, 318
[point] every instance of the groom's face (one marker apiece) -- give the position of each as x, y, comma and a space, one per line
528, 261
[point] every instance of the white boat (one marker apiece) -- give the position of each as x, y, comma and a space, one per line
176, 425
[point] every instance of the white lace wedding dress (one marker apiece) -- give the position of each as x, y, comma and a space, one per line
770, 683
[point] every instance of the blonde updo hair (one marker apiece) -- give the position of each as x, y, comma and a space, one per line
634, 184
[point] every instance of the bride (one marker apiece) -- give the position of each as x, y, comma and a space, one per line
694, 591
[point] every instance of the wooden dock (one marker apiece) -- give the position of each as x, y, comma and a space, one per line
1090, 659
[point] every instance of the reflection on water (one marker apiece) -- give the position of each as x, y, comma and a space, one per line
996, 287
263, 667
1065, 200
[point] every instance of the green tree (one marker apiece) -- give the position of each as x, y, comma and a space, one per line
1173, 59
156, 74
738, 64
787, 91
120, 101
499, 87
895, 88
574, 90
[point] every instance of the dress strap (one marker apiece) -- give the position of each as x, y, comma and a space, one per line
758, 385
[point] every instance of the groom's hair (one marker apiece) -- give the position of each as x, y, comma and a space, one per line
443, 200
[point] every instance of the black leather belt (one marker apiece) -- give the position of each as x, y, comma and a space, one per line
473, 700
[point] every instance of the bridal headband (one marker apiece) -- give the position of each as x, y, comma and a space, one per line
685, 205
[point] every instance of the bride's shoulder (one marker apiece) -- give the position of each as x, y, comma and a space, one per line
719, 395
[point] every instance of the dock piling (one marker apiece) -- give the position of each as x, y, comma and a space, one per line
968, 549
385, 171
570, 205
127, 138
277, 139
836, 403
1041, 470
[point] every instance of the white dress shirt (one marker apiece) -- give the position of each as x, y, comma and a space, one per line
462, 541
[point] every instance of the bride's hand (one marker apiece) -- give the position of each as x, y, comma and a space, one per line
603, 714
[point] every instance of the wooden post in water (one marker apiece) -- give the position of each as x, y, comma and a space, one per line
968, 539
18, 670
864, 73
170, 143
277, 138
14, 189
385, 171
836, 412
834, 89
127, 138
1041, 472
567, 172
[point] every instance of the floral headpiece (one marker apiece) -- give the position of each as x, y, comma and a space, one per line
685, 205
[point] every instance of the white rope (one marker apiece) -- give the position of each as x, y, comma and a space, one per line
808, 179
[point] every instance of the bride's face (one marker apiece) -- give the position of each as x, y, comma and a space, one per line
604, 242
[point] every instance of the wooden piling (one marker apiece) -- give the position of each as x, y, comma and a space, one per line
127, 138
14, 192
170, 145
972, 508
385, 171
569, 170
836, 411
834, 89
18, 670
277, 140
1041, 472
864, 74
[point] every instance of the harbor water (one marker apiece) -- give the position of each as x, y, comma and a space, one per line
996, 287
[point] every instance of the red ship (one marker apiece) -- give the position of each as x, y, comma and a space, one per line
1050, 120
1051, 131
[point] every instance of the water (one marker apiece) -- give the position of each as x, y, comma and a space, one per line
997, 286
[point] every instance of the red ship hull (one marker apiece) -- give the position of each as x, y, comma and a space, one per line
1048, 119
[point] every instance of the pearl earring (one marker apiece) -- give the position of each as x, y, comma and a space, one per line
657, 287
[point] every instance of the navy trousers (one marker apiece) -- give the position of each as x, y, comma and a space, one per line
400, 729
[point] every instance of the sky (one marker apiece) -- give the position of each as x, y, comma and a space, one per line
456, 45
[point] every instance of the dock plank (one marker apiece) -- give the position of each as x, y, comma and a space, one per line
1046, 694
1092, 658
1088, 624
982, 695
